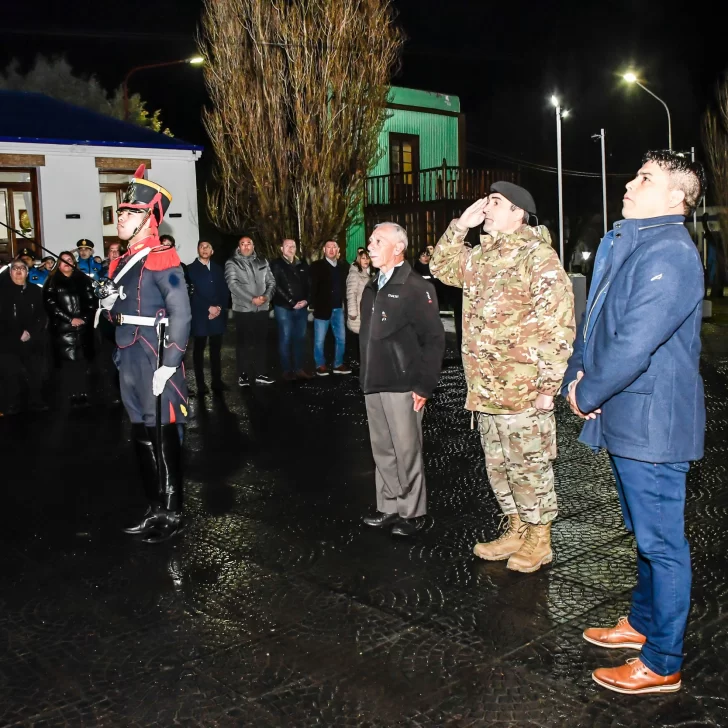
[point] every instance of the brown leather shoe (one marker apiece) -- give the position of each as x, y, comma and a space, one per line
303, 374
622, 635
635, 678
322, 371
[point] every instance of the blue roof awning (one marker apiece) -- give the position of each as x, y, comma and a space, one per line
34, 118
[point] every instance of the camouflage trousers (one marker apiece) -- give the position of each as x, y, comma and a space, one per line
518, 450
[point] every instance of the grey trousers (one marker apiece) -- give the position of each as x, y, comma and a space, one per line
395, 431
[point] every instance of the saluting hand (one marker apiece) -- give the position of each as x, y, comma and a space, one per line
474, 215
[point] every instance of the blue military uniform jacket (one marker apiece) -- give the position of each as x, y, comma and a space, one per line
37, 276
150, 288
90, 267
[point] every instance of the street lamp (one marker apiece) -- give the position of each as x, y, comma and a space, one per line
194, 61
560, 113
631, 78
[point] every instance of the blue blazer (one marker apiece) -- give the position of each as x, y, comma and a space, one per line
639, 344
210, 289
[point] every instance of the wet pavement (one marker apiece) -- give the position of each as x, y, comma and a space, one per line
277, 608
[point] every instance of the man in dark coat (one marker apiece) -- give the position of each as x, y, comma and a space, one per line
402, 342
290, 303
209, 315
634, 378
328, 292
149, 290
22, 338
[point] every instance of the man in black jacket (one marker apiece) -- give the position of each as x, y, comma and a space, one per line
290, 303
328, 291
402, 342
22, 340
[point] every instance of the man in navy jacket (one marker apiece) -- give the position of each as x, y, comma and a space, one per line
633, 378
209, 315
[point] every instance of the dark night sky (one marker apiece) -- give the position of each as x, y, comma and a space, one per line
503, 59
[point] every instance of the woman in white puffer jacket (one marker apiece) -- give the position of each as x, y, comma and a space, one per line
360, 274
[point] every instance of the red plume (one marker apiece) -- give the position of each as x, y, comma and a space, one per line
139, 174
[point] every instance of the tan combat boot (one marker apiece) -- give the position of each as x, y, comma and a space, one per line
506, 544
535, 551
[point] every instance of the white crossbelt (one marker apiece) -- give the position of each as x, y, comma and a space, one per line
123, 318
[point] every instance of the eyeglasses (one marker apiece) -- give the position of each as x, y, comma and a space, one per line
18, 267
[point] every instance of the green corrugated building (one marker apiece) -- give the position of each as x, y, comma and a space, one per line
419, 180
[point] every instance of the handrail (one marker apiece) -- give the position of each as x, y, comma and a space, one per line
435, 183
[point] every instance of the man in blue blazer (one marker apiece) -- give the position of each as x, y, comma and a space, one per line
633, 378
209, 315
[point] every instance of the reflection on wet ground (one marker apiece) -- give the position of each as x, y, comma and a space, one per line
277, 608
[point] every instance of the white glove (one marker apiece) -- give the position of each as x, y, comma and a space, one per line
160, 378
108, 302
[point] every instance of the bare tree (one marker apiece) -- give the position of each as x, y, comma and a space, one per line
54, 77
715, 143
299, 91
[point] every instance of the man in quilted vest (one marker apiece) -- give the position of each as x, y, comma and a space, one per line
518, 331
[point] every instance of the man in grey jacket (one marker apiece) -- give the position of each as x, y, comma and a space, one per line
252, 285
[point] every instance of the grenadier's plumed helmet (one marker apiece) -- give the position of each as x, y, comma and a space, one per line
143, 194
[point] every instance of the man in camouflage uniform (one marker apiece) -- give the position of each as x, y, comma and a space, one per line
518, 331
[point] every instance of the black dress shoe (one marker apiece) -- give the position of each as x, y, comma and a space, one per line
405, 527
382, 519
168, 527
147, 524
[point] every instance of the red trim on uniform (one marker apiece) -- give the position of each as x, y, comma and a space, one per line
172, 415
162, 259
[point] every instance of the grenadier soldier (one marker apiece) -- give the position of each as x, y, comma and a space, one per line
149, 291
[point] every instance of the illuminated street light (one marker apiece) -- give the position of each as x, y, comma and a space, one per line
194, 61
585, 255
632, 78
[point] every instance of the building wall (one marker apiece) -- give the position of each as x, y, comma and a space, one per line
179, 177
438, 140
68, 183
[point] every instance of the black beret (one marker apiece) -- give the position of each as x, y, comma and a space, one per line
516, 195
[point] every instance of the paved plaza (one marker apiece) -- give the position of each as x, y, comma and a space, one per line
278, 608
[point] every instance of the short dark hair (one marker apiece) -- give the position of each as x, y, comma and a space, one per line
167, 238
686, 175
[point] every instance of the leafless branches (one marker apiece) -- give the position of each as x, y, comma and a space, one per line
299, 90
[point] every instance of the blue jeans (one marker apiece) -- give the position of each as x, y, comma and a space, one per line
320, 327
291, 336
652, 497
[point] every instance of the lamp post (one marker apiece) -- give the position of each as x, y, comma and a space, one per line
560, 113
195, 61
603, 137
631, 78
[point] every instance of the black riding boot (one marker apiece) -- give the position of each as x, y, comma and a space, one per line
145, 448
170, 463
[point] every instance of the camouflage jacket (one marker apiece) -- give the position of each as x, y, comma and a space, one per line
518, 315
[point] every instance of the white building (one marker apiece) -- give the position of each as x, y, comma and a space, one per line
63, 171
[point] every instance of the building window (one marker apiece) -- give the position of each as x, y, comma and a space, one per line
19, 225
112, 186
404, 166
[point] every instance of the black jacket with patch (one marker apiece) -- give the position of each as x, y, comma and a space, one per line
402, 339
